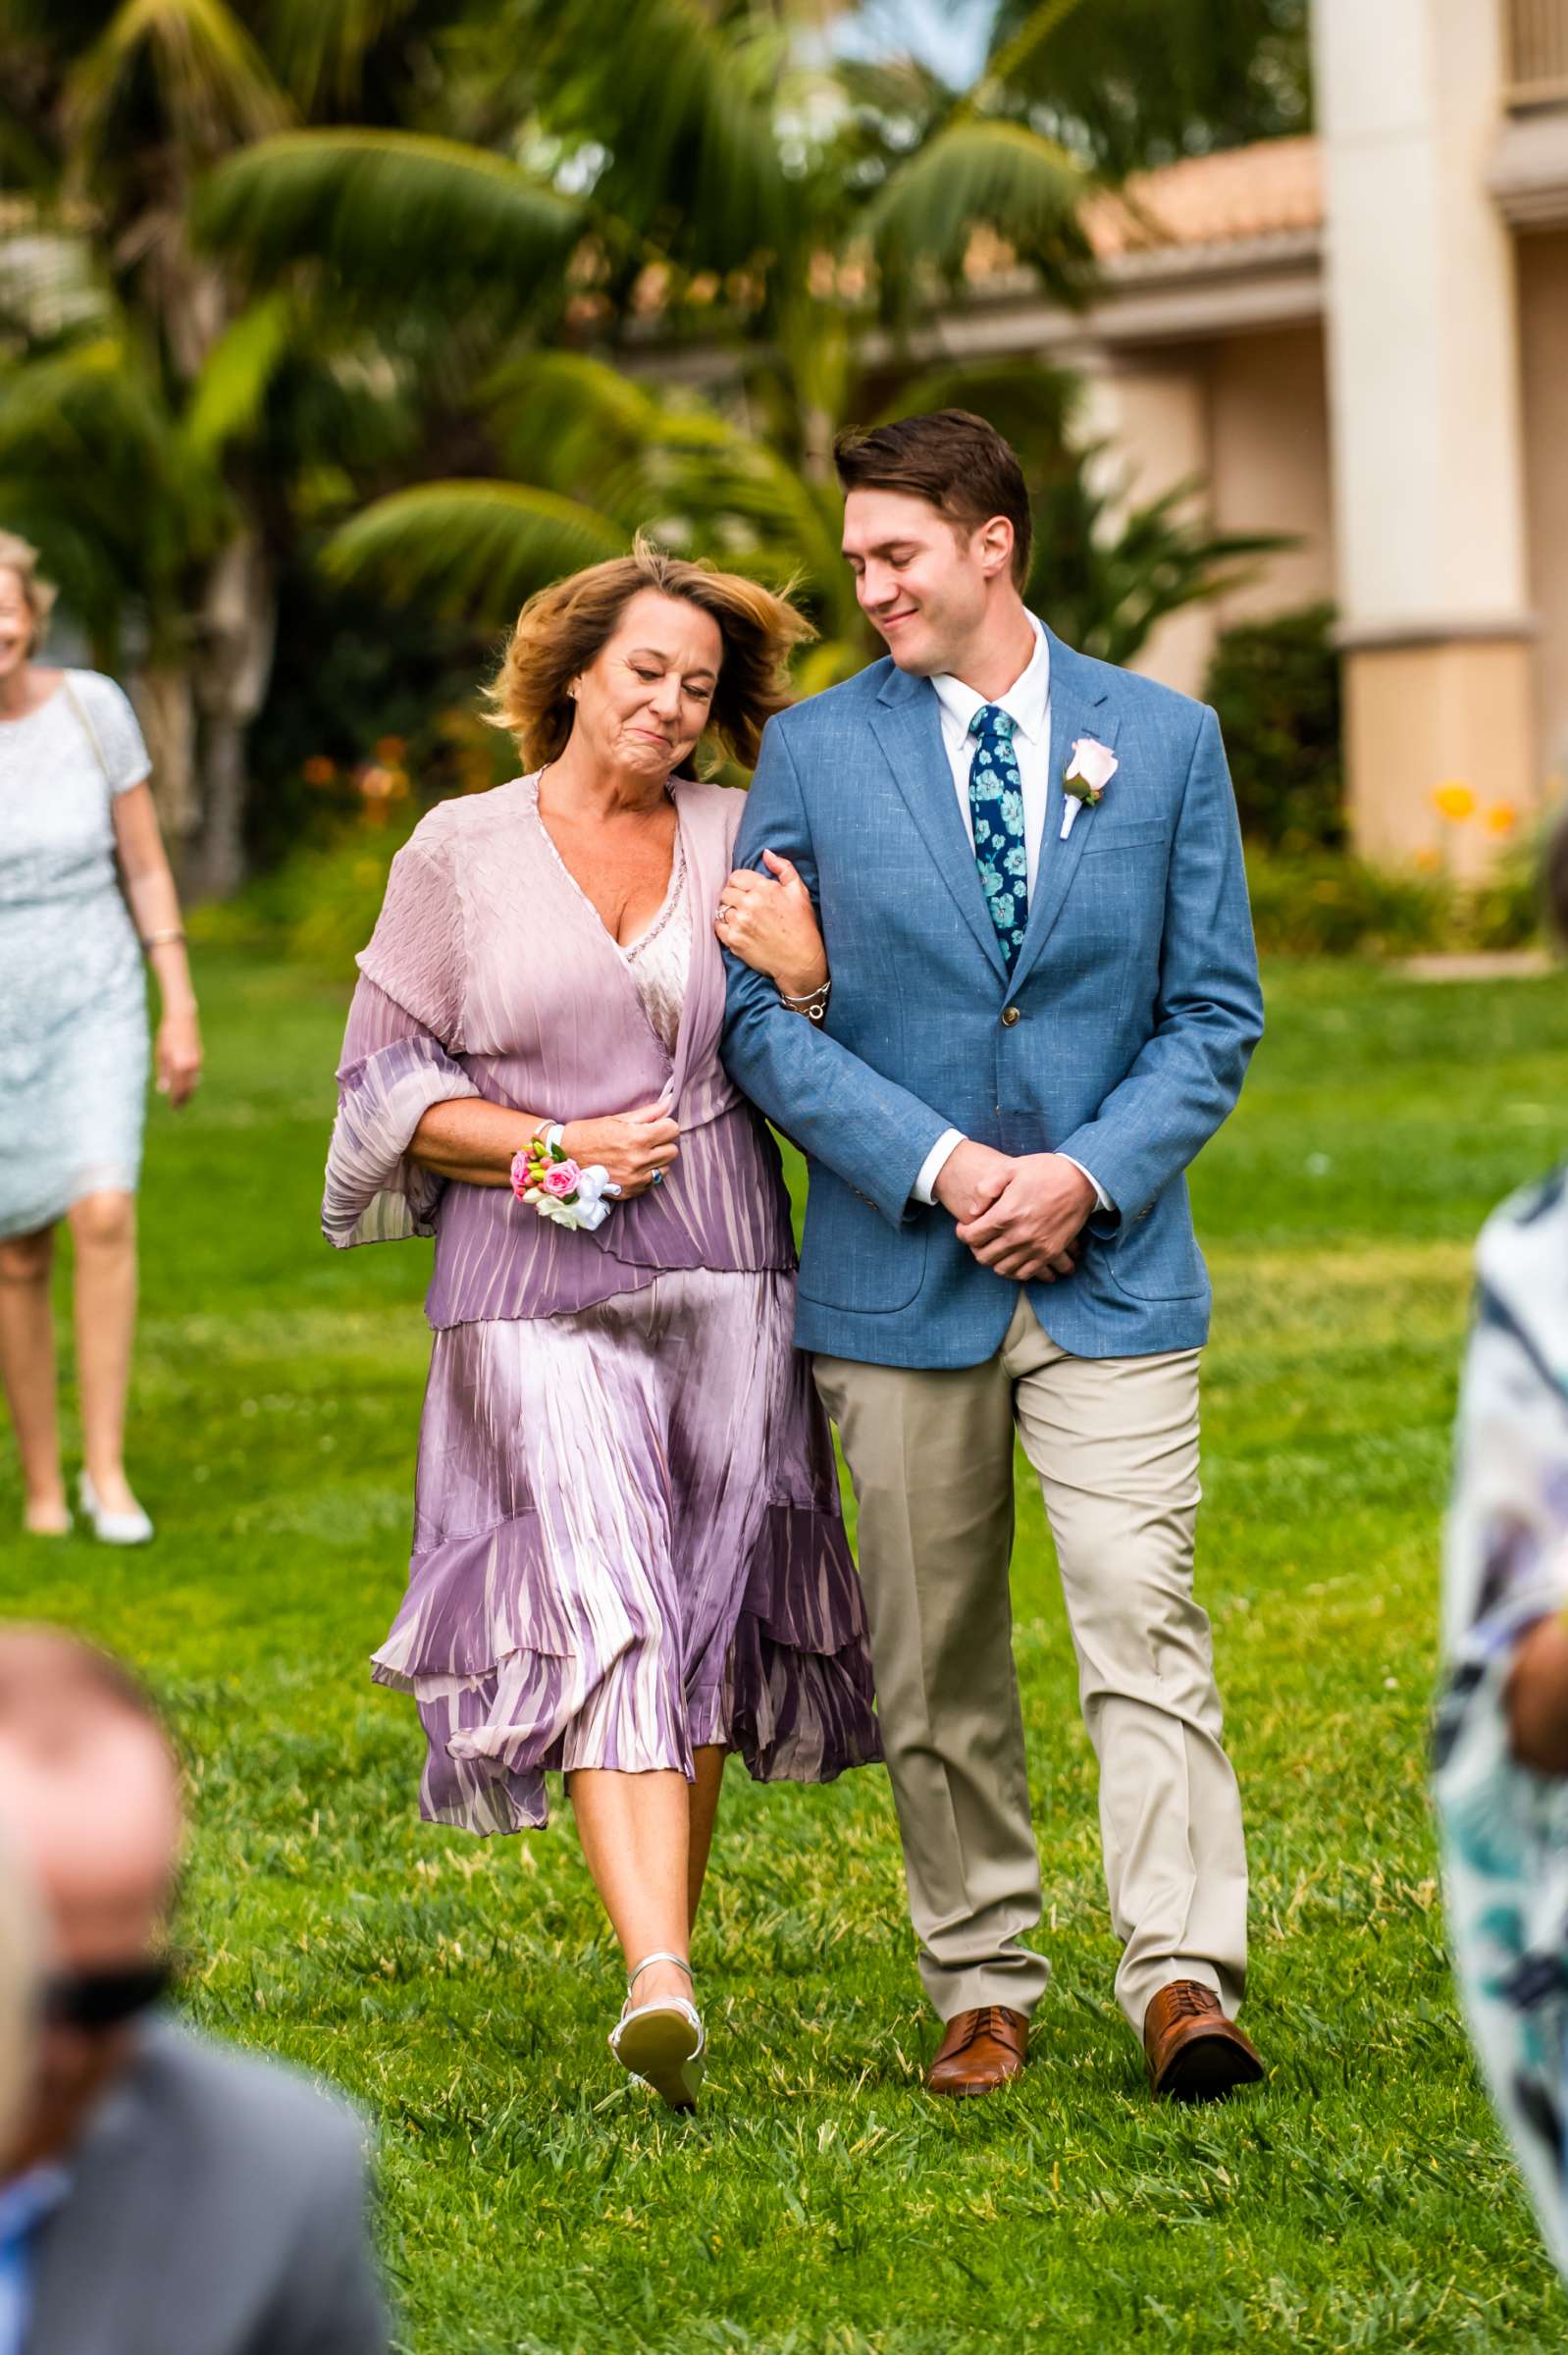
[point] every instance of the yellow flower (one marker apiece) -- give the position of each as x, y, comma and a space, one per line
1454, 799
1501, 818
1428, 862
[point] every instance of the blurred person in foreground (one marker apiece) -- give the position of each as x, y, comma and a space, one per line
160, 2195
86, 892
1501, 1747
629, 1553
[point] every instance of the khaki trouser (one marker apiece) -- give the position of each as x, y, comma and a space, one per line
1114, 1443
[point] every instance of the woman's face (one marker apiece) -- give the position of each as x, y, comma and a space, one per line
645, 699
16, 623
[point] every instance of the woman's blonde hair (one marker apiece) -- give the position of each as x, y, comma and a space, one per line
561, 630
20, 556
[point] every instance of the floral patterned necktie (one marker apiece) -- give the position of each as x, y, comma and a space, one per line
996, 806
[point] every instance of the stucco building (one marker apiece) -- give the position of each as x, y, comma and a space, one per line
1361, 339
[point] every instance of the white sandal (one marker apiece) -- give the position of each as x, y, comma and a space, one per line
662, 2043
113, 1529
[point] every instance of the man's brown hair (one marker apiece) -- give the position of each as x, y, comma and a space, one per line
955, 461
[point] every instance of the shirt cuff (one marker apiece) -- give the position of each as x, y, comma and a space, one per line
932, 1168
1103, 1200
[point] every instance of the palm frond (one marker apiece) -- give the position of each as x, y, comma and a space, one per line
393, 211
320, 46
1109, 571
97, 588
564, 418
683, 105
213, 84
470, 548
84, 407
1019, 51
985, 171
230, 391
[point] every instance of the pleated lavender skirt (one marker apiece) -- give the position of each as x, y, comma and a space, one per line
627, 1544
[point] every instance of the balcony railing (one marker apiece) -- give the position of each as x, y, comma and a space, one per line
1537, 51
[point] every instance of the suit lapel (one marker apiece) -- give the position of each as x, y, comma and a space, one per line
1078, 708
908, 727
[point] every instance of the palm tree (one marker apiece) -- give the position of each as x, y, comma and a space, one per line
143, 428
759, 200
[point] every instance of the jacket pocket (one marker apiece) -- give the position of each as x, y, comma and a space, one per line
1157, 1258
851, 1258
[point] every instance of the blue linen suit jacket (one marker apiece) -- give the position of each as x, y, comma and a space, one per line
1121, 1037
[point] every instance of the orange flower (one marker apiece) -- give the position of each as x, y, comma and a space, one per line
390, 750
1428, 862
1454, 799
1501, 819
319, 770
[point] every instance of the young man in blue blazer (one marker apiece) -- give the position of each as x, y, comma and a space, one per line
1027, 874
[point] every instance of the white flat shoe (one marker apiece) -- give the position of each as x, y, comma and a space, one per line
113, 1529
662, 2043
48, 1525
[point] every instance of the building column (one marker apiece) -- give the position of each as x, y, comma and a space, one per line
1150, 411
1426, 421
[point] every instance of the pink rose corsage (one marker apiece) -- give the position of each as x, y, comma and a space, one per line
562, 1189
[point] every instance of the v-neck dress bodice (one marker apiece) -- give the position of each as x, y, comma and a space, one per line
661, 957
491, 974
628, 1542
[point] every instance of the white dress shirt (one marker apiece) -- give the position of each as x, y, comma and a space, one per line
1028, 704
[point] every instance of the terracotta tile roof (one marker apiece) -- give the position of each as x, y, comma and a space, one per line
1271, 189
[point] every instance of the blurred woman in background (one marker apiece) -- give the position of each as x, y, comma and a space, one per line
1503, 1726
76, 805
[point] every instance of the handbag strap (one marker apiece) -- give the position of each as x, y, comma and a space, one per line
87, 728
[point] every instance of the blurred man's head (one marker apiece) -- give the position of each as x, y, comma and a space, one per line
938, 533
90, 1798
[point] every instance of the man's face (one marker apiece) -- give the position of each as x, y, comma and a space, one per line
923, 580
98, 1827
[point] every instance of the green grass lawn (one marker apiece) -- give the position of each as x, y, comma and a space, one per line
820, 2201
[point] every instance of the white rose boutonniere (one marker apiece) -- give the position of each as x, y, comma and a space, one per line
1084, 779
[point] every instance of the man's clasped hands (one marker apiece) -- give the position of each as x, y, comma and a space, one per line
1024, 1217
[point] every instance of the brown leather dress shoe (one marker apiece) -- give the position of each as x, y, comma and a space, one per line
1194, 2053
981, 2051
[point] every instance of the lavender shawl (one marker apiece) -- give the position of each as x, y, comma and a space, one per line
489, 974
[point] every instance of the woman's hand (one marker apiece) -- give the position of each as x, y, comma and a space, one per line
179, 1054
772, 926
630, 1146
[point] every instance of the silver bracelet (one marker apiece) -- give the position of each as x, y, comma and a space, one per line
813, 1005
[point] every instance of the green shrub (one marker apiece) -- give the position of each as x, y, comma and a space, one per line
1324, 906
1328, 906
1276, 686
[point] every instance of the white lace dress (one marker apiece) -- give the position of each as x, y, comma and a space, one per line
73, 994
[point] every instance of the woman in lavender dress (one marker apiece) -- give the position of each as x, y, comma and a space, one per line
629, 1558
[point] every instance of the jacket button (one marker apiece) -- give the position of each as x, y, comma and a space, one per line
1010, 1014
